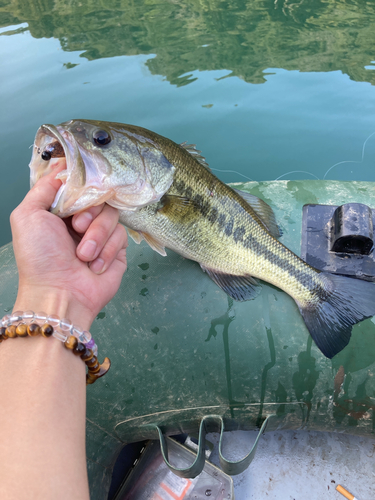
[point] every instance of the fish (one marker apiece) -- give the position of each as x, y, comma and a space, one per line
167, 195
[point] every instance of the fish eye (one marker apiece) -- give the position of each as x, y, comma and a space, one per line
101, 137
46, 155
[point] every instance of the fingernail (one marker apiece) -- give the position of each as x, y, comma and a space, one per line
88, 249
83, 221
97, 266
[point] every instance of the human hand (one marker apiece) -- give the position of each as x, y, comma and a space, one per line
70, 267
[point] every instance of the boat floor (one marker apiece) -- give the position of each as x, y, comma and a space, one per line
293, 465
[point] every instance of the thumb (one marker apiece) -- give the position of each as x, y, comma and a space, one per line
42, 194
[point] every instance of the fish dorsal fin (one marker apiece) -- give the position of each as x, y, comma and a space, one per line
263, 211
195, 153
238, 287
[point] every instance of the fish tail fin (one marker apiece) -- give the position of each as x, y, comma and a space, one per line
343, 303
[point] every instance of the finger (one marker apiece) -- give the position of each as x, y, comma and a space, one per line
112, 277
118, 241
39, 198
43, 193
76, 237
82, 221
97, 234
121, 256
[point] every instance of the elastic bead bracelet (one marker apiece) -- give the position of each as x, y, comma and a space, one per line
80, 342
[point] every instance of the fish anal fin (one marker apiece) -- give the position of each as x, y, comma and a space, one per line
263, 211
238, 287
135, 235
154, 243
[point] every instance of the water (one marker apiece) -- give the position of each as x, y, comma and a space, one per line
266, 90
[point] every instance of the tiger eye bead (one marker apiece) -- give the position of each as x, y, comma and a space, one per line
79, 349
46, 330
92, 361
71, 342
95, 368
2, 333
21, 330
103, 369
90, 378
88, 354
11, 331
33, 329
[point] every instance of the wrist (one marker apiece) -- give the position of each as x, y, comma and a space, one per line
53, 301
34, 324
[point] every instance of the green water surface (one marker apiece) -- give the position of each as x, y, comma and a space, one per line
266, 89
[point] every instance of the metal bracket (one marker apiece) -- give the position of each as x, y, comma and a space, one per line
339, 239
208, 424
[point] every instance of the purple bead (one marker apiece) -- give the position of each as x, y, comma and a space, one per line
90, 344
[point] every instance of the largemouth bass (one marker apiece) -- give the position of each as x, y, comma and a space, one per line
167, 196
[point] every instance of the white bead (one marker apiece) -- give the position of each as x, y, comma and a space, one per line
40, 318
65, 325
60, 335
16, 317
85, 337
53, 320
5, 321
28, 316
17, 313
76, 331
95, 350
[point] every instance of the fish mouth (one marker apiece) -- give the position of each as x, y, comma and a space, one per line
55, 149
44, 160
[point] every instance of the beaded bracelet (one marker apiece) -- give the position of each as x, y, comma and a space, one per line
28, 323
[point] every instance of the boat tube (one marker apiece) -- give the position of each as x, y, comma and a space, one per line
186, 358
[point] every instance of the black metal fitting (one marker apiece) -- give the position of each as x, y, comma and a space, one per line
340, 239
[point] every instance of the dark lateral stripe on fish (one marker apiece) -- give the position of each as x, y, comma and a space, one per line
221, 220
228, 230
213, 215
253, 244
180, 186
203, 206
239, 232
283, 262
249, 241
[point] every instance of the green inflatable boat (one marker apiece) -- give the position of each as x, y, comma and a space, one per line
186, 358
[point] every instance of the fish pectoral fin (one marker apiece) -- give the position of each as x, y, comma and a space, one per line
154, 243
138, 236
135, 235
175, 205
263, 211
238, 287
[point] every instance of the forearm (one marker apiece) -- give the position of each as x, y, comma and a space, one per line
43, 384
42, 410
